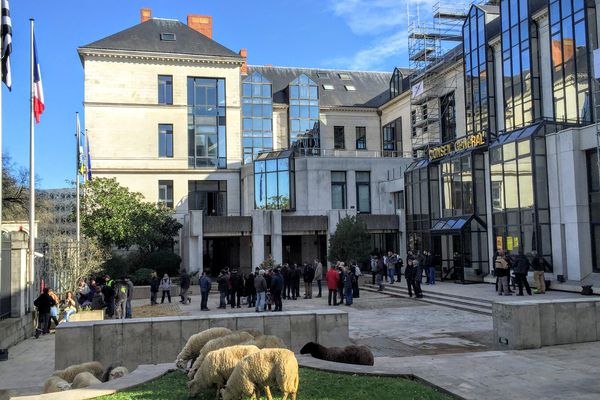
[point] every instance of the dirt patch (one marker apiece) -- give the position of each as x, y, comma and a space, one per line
159, 310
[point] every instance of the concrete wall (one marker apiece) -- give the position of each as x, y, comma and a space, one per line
14, 330
158, 340
530, 324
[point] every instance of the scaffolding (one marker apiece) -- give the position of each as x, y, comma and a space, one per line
432, 42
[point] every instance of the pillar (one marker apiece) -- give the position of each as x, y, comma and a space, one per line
258, 237
195, 242
276, 237
18, 273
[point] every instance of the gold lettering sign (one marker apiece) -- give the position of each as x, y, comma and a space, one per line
463, 143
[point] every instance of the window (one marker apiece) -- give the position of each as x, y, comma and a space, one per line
257, 113
390, 138
448, 117
207, 135
350, 88
396, 83
322, 75
328, 87
363, 192
399, 200
165, 89
165, 140
570, 41
304, 111
338, 190
165, 193
413, 123
344, 76
339, 140
361, 138
274, 181
168, 37
208, 196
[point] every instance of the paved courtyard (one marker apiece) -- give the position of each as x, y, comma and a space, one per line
449, 347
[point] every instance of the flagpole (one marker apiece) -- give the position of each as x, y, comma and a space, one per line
31, 162
1, 161
77, 167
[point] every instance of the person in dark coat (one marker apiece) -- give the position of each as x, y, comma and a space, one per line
250, 290
43, 303
130, 288
418, 274
295, 281
276, 288
356, 273
109, 296
409, 273
184, 283
237, 285
521, 268
98, 299
347, 277
154, 284
309, 276
285, 275
205, 285
222, 287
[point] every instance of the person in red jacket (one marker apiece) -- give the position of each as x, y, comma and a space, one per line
332, 277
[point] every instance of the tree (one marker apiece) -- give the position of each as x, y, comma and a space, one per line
62, 259
351, 241
15, 193
117, 217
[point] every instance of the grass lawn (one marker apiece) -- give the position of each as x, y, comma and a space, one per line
314, 385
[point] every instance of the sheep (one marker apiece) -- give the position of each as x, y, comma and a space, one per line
55, 384
348, 355
192, 348
117, 372
217, 367
84, 379
68, 374
219, 343
254, 332
266, 368
269, 342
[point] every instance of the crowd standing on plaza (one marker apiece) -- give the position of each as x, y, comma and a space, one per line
520, 264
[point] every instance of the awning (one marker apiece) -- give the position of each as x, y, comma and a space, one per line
541, 128
418, 164
454, 225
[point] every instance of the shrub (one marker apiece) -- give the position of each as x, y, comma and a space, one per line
162, 262
117, 266
142, 276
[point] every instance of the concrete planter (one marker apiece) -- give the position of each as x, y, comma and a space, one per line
92, 315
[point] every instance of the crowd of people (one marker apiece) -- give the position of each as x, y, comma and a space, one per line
520, 265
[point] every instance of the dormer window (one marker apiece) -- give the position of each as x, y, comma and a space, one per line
344, 76
328, 87
350, 88
322, 75
168, 37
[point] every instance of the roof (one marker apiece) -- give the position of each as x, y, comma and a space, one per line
146, 37
372, 88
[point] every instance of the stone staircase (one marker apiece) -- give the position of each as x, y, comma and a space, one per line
459, 302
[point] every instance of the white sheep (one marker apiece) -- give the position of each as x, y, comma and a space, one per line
55, 384
84, 379
117, 372
219, 343
194, 344
269, 342
218, 366
268, 367
68, 374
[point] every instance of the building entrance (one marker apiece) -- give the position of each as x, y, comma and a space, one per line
220, 253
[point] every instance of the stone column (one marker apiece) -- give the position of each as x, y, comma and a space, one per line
276, 236
18, 273
258, 237
195, 242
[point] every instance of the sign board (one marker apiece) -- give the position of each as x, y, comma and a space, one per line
499, 243
418, 89
464, 143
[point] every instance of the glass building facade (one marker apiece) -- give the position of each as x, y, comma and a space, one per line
570, 39
594, 199
257, 116
209, 196
396, 83
480, 99
207, 133
520, 65
274, 183
304, 112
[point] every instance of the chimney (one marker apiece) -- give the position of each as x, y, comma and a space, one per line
244, 54
145, 14
201, 23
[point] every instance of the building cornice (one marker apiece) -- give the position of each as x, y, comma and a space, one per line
348, 109
164, 171
85, 53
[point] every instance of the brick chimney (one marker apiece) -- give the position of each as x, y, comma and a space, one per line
145, 14
201, 23
244, 54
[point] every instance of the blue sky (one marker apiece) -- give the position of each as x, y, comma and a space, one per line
352, 34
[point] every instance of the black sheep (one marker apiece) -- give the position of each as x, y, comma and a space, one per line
348, 355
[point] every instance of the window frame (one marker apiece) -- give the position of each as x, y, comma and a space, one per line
344, 189
337, 145
168, 139
361, 137
165, 88
360, 184
167, 185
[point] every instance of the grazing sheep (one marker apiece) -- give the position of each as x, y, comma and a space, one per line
68, 374
268, 367
218, 366
192, 348
117, 373
55, 384
254, 332
269, 342
84, 379
348, 355
219, 343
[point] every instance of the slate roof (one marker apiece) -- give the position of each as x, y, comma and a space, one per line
372, 88
146, 37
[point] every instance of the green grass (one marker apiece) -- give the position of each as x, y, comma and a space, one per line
314, 385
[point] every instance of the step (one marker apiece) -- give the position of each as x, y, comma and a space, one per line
441, 294
451, 303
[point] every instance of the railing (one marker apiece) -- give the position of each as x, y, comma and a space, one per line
316, 152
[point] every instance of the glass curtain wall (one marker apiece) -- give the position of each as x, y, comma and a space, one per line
594, 191
419, 179
257, 114
207, 135
520, 205
396, 83
480, 96
274, 182
304, 112
520, 67
448, 106
570, 39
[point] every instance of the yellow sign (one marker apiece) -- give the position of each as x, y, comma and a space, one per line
516, 242
509, 243
499, 242
463, 143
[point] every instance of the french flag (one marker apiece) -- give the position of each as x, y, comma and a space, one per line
38, 90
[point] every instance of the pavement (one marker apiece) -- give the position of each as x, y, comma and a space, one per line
447, 347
